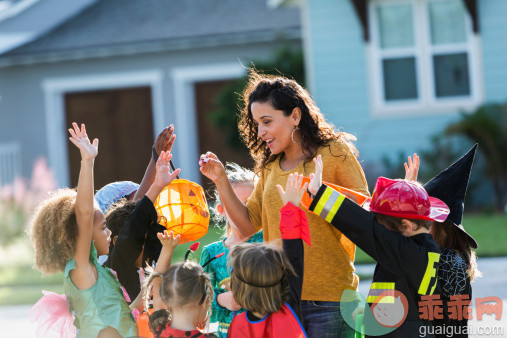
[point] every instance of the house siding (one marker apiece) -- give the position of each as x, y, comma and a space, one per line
341, 88
22, 102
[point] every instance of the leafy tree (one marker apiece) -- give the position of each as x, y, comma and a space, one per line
487, 126
286, 60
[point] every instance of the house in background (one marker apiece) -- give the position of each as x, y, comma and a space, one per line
127, 69
21, 21
394, 72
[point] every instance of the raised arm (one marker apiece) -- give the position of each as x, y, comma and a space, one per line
212, 168
83, 275
412, 168
164, 142
294, 229
163, 176
132, 236
169, 242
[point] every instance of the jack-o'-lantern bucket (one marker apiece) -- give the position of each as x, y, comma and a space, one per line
183, 209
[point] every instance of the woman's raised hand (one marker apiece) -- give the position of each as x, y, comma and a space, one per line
412, 168
294, 190
80, 139
164, 176
316, 178
211, 167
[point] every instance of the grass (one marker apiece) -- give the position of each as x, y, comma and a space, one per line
20, 284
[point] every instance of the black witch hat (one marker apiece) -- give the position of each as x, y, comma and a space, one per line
450, 186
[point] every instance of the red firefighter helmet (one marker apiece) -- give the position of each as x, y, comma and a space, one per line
405, 199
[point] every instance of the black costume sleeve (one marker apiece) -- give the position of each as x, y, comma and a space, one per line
396, 253
293, 248
129, 245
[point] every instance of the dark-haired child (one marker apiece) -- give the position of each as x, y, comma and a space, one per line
458, 266
128, 246
395, 233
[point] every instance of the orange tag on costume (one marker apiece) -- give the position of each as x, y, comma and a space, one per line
144, 326
352, 195
183, 209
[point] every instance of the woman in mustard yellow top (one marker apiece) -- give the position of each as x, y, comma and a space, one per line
284, 131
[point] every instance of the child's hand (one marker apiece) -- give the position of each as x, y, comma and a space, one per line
79, 137
294, 191
211, 167
412, 169
165, 140
138, 303
316, 178
164, 176
168, 240
227, 300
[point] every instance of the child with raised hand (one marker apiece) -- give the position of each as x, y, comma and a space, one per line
67, 232
182, 295
243, 183
458, 266
266, 280
128, 244
396, 234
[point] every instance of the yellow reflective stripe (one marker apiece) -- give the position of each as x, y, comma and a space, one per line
387, 286
431, 272
323, 200
335, 208
384, 299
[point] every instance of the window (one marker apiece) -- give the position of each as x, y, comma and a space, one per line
423, 56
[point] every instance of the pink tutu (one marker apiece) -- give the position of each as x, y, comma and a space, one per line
53, 316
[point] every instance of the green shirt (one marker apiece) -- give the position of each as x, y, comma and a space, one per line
101, 305
220, 277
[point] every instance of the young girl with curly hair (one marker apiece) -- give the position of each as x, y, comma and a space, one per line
68, 231
285, 130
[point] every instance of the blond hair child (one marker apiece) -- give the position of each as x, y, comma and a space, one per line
223, 308
182, 295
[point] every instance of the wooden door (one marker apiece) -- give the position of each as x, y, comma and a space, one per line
211, 137
122, 121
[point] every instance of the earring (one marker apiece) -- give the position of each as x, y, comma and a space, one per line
292, 136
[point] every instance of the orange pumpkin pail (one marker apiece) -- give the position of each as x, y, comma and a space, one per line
182, 208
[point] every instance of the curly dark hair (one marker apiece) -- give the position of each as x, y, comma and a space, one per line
116, 217
285, 94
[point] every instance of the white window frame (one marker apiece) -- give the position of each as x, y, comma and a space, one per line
423, 51
184, 78
54, 98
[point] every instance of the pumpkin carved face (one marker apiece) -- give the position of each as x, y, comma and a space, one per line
182, 208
